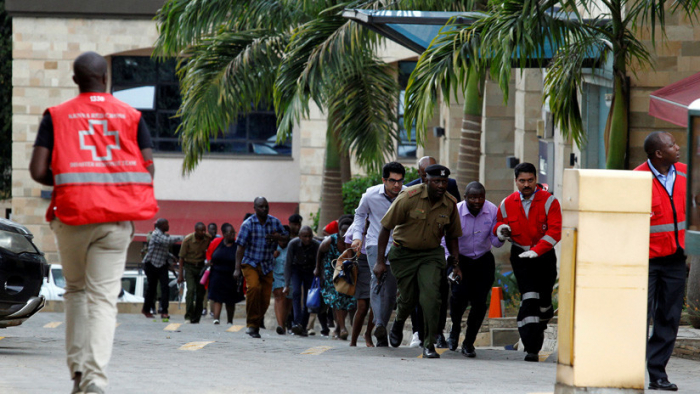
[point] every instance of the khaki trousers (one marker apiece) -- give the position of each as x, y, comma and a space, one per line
93, 257
258, 292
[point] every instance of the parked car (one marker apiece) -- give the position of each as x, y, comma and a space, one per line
22, 271
133, 285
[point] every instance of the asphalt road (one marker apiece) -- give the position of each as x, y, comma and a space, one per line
152, 357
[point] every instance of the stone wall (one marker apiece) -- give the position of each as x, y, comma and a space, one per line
678, 58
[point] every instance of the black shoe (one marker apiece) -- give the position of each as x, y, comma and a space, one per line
662, 384
396, 334
380, 334
279, 330
303, 333
429, 352
468, 351
253, 332
297, 329
452, 341
325, 332
532, 357
440, 342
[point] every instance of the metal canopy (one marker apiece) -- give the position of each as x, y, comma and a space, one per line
415, 30
412, 29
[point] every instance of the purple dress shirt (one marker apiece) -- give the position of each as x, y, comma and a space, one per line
477, 235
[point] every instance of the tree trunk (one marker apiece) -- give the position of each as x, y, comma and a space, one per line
331, 191
618, 124
345, 167
694, 291
470, 139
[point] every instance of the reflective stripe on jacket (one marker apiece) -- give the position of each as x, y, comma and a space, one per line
667, 225
99, 172
540, 230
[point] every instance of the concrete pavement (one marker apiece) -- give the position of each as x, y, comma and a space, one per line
210, 359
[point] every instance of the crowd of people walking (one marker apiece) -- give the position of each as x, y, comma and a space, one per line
414, 251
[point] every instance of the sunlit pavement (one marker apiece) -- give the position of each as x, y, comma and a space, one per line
151, 356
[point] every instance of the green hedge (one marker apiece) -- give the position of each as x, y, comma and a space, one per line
353, 189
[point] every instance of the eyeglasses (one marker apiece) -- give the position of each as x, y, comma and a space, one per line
395, 181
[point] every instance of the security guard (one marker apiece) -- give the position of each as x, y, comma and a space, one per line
420, 216
666, 252
531, 219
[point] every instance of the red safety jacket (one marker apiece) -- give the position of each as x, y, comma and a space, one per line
99, 172
540, 230
667, 231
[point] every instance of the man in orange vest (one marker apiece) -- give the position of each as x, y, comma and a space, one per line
531, 219
96, 152
667, 268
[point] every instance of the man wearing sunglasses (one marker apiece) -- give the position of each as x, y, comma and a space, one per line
373, 205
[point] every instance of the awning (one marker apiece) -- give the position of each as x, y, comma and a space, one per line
415, 30
671, 103
183, 215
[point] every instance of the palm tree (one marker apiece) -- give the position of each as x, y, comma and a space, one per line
518, 33
458, 59
238, 55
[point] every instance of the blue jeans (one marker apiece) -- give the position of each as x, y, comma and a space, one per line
301, 283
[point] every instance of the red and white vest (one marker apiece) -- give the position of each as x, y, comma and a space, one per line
98, 170
662, 233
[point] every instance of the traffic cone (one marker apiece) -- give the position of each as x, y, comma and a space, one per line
496, 308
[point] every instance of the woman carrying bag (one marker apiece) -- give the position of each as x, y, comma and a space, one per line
221, 255
331, 248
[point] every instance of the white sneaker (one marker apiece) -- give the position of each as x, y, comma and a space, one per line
415, 341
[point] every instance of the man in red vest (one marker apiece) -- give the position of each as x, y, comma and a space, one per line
531, 219
96, 152
667, 268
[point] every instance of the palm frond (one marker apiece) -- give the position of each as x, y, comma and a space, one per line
652, 13
443, 67
222, 78
183, 22
329, 42
564, 80
520, 33
362, 110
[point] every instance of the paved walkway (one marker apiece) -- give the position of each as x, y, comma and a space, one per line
155, 357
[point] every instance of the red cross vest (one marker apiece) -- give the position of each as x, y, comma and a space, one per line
99, 173
667, 231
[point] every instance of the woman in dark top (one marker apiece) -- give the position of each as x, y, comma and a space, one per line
222, 286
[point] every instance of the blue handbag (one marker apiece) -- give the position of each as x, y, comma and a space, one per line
313, 296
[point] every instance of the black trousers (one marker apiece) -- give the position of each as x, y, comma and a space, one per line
665, 302
535, 279
155, 275
473, 289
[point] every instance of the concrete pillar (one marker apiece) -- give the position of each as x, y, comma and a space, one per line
497, 126
603, 282
528, 110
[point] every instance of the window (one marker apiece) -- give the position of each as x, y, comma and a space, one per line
153, 88
406, 147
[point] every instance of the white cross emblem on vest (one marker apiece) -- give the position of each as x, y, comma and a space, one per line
93, 148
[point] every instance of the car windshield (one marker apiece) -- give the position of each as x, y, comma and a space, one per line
16, 243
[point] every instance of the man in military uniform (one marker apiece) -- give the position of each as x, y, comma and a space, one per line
420, 216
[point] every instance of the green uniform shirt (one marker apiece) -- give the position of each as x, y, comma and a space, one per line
194, 251
417, 223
